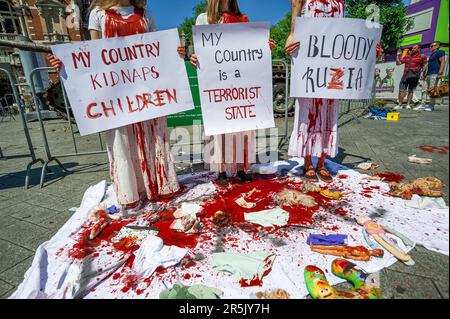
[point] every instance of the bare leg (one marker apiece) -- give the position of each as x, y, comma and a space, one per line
308, 169
322, 172
401, 97
321, 162
410, 96
308, 162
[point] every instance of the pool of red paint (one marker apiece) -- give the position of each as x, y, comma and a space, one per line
266, 189
85, 246
391, 177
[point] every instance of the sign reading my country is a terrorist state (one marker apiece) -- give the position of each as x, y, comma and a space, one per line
235, 77
336, 58
119, 81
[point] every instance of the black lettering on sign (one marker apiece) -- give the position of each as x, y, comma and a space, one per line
212, 39
309, 79
315, 51
341, 49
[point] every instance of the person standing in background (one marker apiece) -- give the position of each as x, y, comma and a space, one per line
414, 62
433, 72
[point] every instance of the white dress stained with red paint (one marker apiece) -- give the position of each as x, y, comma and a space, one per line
231, 152
315, 124
141, 162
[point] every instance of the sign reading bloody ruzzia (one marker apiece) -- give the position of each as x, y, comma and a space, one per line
119, 81
234, 76
336, 59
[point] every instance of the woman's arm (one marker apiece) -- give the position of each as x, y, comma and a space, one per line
441, 66
95, 34
291, 46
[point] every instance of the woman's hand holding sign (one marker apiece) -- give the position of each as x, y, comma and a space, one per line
194, 60
55, 62
291, 46
181, 51
272, 44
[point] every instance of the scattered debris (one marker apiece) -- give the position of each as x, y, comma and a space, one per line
98, 227
319, 288
130, 236
289, 197
187, 224
99, 215
331, 195
249, 268
273, 294
308, 187
360, 253
417, 160
241, 202
327, 240
269, 218
367, 166
180, 291
426, 186
379, 234
222, 219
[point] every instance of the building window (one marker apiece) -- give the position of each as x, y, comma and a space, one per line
421, 21
9, 19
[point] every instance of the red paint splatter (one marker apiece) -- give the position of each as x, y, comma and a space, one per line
390, 177
171, 237
85, 246
266, 189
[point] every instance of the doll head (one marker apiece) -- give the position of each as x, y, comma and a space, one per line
214, 11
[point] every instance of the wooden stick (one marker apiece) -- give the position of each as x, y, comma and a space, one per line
398, 254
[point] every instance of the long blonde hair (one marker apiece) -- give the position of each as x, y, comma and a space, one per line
299, 4
107, 4
214, 13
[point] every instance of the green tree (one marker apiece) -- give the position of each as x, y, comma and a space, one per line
280, 33
186, 26
392, 15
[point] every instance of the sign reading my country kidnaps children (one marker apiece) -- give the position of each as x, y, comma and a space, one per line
119, 81
235, 77
336, 59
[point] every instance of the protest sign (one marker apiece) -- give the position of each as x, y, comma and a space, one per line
336, 59
119, 81
235, 77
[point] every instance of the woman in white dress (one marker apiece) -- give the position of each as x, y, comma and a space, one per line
140, 158
232, 153
315, 126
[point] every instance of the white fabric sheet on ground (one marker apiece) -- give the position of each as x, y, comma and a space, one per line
55, 276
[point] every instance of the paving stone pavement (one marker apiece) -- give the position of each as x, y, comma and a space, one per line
30, 217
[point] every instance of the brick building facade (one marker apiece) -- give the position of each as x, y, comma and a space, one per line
43, 21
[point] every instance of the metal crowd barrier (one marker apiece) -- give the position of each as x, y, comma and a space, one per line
21, 108
51, 157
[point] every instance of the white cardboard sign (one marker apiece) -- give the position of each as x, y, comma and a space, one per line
119, 81
336, 59
235, 77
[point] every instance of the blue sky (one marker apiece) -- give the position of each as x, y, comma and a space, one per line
170, 13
